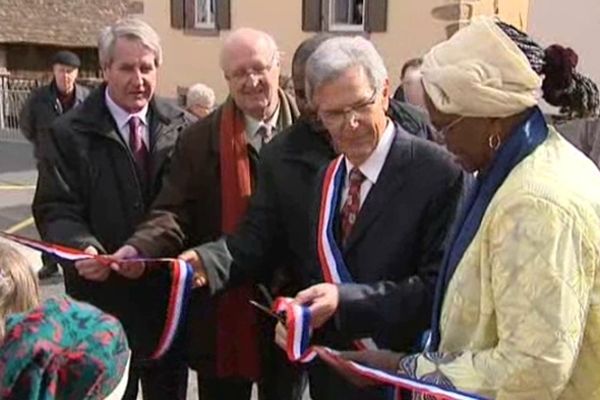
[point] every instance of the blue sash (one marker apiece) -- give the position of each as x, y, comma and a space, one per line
525, 139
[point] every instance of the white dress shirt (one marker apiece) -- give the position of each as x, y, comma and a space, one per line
122, 117
252, 126
372, 166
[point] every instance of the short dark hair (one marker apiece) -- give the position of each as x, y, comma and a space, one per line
306, 48
412, 63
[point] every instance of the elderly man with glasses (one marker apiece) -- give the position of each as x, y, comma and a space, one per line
381, 213
213, 174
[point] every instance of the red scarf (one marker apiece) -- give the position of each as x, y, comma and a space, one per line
237, 326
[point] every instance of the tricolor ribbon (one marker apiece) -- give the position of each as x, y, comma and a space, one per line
298, 349
298, 326
332, 266
404, 382
181, 282
330, 256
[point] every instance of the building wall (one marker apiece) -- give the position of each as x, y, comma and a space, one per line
412, 28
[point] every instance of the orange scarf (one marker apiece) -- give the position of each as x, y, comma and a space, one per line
237, 325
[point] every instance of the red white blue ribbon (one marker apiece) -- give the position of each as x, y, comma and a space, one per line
330, 256
430, 390
182, 276
298, 326
332, 263
299, 350
181, 282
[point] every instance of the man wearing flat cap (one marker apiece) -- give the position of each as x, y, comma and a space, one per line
48, 102
43, 106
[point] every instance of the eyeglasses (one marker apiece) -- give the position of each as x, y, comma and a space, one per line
443, 131
241, 75
358, 111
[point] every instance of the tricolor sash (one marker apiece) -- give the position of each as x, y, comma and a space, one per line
179, 275
330, 255
332, 264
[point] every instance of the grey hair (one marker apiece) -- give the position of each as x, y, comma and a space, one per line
200, 94
128, 28
336, 55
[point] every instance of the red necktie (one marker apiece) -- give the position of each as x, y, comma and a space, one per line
138, 147
352, 205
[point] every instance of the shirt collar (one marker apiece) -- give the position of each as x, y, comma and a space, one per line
252, 124
120, 115
373, 165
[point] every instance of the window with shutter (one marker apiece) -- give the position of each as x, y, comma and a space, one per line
200, 17
344, 15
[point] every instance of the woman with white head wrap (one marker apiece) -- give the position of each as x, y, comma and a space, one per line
517, 307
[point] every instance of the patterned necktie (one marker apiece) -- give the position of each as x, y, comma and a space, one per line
352, 205
138, 147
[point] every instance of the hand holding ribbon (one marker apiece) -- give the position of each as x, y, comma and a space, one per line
322, 300
131, 269
294, 337
193, 258
93, 268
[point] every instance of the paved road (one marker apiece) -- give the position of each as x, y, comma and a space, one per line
17, 180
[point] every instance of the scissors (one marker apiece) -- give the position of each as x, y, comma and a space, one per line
266, 310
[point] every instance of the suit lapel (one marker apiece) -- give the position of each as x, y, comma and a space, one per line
390, 180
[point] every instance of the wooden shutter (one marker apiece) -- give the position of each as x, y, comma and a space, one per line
190, 14
312, 11
223, 14
376, 15
177, 14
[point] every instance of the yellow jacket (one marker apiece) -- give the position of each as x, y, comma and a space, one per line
521, 315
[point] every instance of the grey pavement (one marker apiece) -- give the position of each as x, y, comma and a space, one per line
17, 179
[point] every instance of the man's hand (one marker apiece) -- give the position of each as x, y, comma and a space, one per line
91, 269
192, 258
129, 269
323, 300
384, 360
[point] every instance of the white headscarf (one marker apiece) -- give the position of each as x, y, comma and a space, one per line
480, 72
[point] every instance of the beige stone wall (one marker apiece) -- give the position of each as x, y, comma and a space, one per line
413, 27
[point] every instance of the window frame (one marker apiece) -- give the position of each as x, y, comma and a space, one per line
332, 26
209, 26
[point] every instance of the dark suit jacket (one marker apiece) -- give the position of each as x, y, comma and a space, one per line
395, 247
89, 194
188, 211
